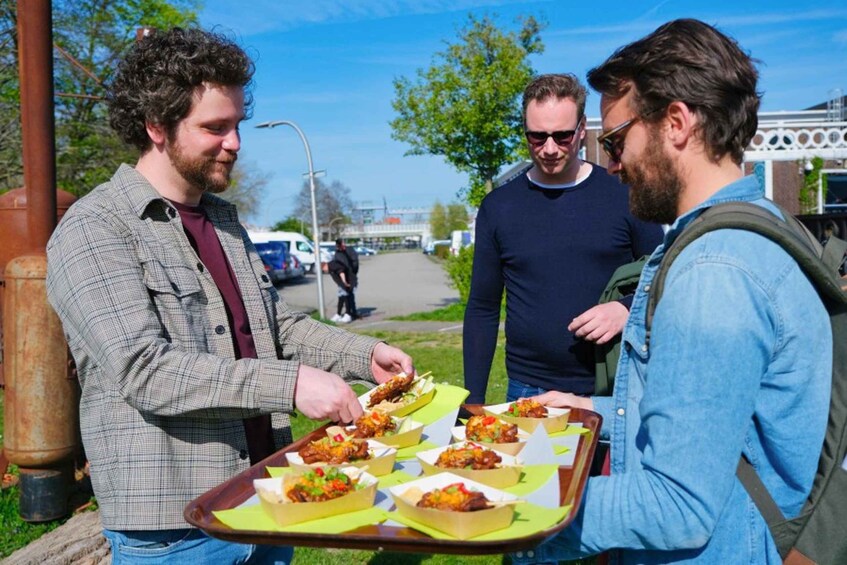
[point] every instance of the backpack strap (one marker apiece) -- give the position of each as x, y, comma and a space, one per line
789, 233
833, 252
759, 493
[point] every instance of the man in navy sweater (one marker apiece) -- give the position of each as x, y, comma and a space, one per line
553, 237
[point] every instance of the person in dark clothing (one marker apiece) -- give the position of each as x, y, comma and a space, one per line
341, 277
552, 237
350, 259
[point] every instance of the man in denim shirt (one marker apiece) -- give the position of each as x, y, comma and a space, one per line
739, 358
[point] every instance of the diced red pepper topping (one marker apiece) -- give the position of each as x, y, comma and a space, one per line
488, 420
459, 486
338, 437
319, 472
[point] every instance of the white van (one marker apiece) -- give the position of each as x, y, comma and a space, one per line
298, 245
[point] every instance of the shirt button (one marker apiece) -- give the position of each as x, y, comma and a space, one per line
243, 454
264, 278
621, 411
200, 267
220, 330
530, 554
646, 288
519, 554
644, 348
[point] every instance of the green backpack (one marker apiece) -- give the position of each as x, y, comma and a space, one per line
606, 356
819, 534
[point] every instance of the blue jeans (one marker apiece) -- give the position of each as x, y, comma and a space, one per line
189, 546
517, 389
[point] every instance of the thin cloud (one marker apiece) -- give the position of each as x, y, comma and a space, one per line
272, 15
645, 22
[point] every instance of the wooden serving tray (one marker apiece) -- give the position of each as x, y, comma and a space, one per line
238, 489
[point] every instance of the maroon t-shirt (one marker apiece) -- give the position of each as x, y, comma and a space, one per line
201, 233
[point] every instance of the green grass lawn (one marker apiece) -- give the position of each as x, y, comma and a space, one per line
439, 353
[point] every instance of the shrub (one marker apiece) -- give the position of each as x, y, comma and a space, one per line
459, 269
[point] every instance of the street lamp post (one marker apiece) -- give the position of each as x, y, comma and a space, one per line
330, 226
319, 275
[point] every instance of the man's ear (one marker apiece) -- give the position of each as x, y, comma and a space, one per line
156, 132
681, 123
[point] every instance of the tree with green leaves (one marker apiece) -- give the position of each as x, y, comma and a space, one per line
438, 221
89, 38
294, 224
466, 106
444, 220
457, 217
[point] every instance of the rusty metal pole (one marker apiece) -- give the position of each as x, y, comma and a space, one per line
35, 51
40, 437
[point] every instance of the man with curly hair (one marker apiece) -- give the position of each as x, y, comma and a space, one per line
190, 362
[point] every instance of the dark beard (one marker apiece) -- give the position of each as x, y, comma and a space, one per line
199, 171
654, 186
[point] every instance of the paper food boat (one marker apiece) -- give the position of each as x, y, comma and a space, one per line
423, 390
408, 433
556, 420
461, 525
458, 433
285, 512
507, 473
381, 461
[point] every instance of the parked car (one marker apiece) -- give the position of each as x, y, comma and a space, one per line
362, 250
298, 245
327, 251
274, 255
297, 270
429, 248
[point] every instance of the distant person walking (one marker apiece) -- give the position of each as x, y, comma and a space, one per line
350, 259
338, 272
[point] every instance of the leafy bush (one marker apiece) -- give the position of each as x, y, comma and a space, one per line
441, 251
459, 269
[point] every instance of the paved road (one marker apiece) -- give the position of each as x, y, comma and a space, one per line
390, 284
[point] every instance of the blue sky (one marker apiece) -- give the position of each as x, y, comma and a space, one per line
328, 66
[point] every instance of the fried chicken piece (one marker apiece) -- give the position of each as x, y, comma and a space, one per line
468, 457
455, 498
527, 408
391, 390
491, 430
374, 424
326, 450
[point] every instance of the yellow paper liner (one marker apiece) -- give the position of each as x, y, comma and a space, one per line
410, 437
461, 525
458, 433
556, 421
377, 466
399, 409
288, 513
506, 475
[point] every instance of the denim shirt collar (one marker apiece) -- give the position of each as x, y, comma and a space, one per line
745, 189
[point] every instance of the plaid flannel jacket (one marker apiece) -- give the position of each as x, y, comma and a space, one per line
163, 397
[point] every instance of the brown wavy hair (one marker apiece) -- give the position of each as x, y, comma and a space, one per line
556, 86
156, 79
689, 61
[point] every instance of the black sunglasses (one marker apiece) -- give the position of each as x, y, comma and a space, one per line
563, 137
612, 141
